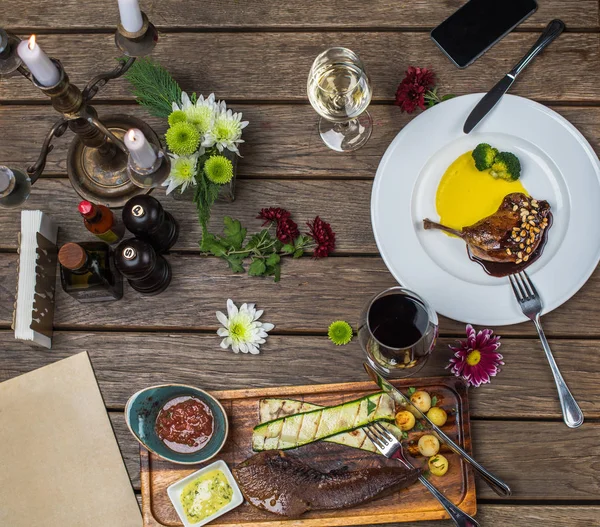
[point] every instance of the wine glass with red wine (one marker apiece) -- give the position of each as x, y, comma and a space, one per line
398, 330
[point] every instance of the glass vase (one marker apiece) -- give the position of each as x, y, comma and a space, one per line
226, 192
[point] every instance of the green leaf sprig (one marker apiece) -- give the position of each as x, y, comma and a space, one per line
432, 97
153, 86
263, 250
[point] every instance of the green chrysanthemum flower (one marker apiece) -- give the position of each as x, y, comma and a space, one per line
178, 116
218, 169
340, 332
183, 139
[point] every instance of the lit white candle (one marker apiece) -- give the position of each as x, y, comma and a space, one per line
41, 67
140, 149
131, 15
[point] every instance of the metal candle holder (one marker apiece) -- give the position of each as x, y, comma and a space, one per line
97, 161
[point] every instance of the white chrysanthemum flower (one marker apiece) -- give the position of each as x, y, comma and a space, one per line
201, 114
241, 328
183, 171
227, 129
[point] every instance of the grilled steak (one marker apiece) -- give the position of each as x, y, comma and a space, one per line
280, 483
510, 235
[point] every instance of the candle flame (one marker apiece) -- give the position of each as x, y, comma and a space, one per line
31, 42
131, 134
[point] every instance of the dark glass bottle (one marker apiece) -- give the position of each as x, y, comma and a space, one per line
146, 271
145, 217
87, 272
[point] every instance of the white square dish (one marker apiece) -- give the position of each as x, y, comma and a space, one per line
174, 491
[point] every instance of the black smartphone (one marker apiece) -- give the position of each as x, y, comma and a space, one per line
468, 33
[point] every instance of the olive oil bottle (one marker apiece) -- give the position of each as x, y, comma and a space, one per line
87, 272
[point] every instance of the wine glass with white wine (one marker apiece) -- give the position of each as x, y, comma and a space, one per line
339, 89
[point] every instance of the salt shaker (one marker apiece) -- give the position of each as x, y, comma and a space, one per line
146, 271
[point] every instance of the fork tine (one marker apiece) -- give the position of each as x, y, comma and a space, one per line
383, 431
382, 437
513, 284
528, 295
527, 280
373, 438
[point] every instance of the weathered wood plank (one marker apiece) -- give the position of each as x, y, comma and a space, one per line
524, 453
306, 199
311, 294
274, 66
127, 362
48, 14
526, 515
281, 140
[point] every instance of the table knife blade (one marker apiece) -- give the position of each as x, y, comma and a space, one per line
491, 98
487, 102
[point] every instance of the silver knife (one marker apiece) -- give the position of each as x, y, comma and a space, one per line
491, 98
497, 485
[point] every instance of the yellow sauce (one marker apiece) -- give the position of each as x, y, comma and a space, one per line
465, 195
206, 495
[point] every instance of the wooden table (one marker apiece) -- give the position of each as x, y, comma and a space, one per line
256, 55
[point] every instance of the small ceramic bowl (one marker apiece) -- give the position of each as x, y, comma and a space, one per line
143, 407
175, 490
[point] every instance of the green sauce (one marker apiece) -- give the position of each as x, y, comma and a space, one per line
206, 495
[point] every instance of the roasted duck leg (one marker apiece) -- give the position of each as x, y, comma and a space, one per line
510, 235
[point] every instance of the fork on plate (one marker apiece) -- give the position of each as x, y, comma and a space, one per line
391, 448
531, 305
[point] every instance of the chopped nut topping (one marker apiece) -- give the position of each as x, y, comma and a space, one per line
521, 246
515, 207
519, 254
526, 257
518, 261
528, 250
508, 251
523, 233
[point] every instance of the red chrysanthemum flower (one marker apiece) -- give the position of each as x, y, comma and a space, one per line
476, 359
411, 91
287, 230
320, 231
273, 214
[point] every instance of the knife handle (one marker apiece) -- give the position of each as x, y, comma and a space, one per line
553, 29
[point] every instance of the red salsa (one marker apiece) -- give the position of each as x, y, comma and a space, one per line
185, 424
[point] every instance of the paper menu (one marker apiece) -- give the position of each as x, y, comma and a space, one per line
60, 464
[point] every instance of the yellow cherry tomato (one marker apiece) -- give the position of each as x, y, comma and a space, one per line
438, 465
437, 416
429, 445
422, 400
405, 420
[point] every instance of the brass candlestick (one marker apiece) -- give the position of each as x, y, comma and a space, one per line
97, 161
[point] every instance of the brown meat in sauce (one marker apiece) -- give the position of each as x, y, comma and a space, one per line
510, 235
282, 484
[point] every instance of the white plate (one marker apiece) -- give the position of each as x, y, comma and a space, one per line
558, 165
174, 492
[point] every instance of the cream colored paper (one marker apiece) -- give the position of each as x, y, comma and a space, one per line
60, 465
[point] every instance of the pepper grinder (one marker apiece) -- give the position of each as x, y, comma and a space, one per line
146, 271
146, 218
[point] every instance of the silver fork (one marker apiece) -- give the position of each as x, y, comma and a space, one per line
531, 305
391, 448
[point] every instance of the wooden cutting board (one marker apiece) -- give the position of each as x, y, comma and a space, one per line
411, 504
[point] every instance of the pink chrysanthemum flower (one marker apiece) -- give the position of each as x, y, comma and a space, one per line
476, 359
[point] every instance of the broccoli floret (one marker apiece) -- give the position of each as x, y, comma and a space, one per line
484, 156
506, 166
